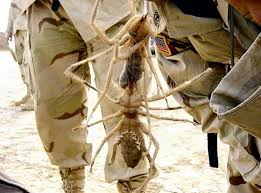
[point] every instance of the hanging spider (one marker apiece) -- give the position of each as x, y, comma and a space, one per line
131, 45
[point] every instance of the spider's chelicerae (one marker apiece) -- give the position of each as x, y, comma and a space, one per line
131, 44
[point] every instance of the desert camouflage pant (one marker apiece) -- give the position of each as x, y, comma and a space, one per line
244, 172
24, 58
60, 101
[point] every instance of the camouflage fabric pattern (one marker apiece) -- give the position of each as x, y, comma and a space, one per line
80, 14
61, 103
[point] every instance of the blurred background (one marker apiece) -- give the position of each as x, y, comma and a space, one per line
4, 8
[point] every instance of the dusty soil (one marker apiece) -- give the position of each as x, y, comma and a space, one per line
182, 160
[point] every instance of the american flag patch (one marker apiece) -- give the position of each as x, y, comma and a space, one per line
162, 45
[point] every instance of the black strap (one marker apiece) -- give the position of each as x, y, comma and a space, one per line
232, 41
212, 150
56, 4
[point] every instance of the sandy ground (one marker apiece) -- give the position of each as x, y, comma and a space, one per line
182, 160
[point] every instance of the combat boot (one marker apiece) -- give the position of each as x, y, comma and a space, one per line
131, 185
23, 100
73, 179
28, 105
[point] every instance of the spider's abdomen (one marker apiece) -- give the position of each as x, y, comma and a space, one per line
131, 147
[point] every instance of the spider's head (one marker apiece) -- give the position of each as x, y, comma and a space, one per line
140, 29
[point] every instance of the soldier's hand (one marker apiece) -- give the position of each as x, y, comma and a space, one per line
8, 36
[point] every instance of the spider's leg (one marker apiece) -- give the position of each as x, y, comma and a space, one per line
132, 4
107, 83
70, 70
96, 28
114, 151
101, 33
145, 92
160, 108
124, 54
124, 39
109, 135
152, 166
152, 169
152, 173
147, 132
158, 90
109, 117
180, 87
155, 116
126, 27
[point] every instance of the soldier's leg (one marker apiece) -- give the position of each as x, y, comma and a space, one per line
19, 39
27, 68
244, 171
60, 102
128, 178
237, 184
244, 159
239, 85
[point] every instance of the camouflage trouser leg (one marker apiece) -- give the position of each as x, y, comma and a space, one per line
61, 102
23, 58
237, 100
236, 183
244, 174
